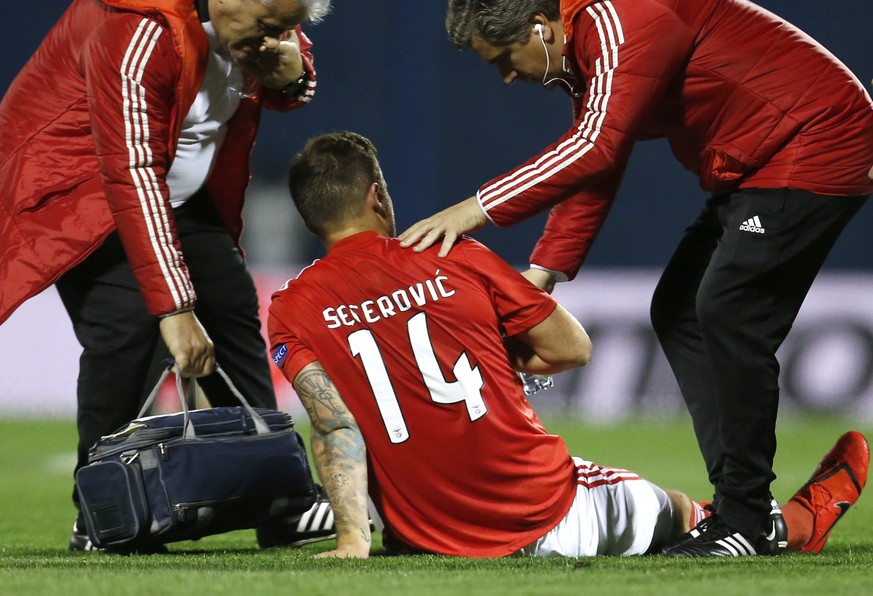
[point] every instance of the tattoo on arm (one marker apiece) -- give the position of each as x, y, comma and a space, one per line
338, 451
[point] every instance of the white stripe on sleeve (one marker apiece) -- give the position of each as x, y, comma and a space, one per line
137, 138
583, 140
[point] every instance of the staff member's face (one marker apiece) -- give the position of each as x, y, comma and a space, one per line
518, 61
242, 25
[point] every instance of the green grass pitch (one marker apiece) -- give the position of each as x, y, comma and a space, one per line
36, 516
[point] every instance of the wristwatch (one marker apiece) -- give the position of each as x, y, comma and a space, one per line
293, 88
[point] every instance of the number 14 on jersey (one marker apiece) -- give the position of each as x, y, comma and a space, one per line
467, 388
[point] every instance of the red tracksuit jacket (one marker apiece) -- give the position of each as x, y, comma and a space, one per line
89, 130
745, 99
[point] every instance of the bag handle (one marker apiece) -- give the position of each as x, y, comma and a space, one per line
261, 427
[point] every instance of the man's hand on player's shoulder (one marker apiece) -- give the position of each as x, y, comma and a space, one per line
449, 224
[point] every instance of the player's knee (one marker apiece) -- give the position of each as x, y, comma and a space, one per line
682, 512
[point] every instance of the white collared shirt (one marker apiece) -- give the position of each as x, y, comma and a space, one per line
205, 125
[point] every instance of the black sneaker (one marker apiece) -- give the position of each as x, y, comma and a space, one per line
81, 542
697, 530
79, 539
712, 538
313, 525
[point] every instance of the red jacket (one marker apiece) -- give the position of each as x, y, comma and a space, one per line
745, 99
90, 127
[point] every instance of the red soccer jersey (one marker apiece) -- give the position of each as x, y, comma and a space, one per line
459, 462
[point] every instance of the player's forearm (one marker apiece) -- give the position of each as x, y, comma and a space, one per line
556, 344
340, 457
523, 359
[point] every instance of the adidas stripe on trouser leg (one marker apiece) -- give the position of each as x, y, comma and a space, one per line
724, 303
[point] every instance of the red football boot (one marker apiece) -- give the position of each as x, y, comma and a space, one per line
834, 487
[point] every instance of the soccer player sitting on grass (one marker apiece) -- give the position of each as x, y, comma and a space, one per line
406, 364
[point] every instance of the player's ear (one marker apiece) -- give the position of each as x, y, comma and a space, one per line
374, 199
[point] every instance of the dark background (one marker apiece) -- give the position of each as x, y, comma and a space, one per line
444, 123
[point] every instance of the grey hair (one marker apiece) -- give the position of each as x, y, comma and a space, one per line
316, 10
495, 21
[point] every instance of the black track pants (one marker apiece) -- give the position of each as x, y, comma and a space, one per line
722, 308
